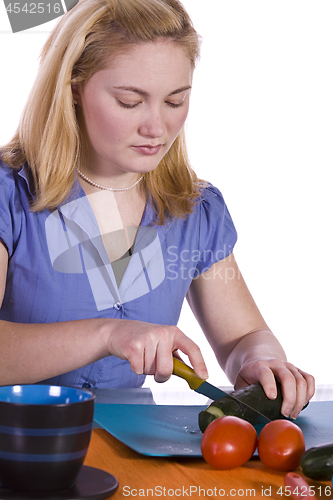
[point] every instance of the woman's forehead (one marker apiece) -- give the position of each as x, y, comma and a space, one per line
160, 49
148, 63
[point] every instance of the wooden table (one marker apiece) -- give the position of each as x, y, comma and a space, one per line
140, 476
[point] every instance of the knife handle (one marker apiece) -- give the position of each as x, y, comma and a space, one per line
187, 373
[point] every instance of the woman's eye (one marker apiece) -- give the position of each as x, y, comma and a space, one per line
127, 105
135, 104
175, 104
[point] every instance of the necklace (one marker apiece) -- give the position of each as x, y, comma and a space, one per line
107, 188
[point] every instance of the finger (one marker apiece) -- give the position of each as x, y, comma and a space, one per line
311, 385
294, 390
260, 372
288, 386
267, 380
137, 363
301, 392
188, 347
164, 362
149, 359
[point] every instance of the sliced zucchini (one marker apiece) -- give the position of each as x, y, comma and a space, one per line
252, 395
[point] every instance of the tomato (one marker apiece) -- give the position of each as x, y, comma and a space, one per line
228, 442
281, 445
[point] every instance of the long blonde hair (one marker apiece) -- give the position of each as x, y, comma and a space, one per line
49, 137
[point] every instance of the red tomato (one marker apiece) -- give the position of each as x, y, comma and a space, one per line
281, 445
228, 442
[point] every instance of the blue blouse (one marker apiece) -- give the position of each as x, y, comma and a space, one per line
58, 269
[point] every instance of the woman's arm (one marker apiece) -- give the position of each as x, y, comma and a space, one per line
33, 352
245, 347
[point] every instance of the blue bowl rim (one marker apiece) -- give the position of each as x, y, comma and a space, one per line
52, 405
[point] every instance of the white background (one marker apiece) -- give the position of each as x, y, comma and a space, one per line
260, 128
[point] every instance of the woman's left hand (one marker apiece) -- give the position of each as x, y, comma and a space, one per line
244, 346
298, 387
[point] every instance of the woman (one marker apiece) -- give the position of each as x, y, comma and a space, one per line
105, 228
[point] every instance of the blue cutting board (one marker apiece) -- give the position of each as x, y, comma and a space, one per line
173, 431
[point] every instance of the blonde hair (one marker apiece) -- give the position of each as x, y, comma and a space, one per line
49, 137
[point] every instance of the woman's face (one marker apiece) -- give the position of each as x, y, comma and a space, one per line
134, 108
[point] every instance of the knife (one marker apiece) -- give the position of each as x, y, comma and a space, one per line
199, 385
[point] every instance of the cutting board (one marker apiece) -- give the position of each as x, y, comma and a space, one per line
173, 431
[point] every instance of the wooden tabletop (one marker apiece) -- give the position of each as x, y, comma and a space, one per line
140, 476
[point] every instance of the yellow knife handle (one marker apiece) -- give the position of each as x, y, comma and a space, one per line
187, 373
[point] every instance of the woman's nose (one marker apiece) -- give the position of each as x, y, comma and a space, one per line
153, 124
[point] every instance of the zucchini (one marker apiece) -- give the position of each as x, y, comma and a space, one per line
317, 462
252, 395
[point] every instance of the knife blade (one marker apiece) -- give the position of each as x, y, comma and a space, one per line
180, 369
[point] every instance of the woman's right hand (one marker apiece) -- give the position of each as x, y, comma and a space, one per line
149, 348
34, 352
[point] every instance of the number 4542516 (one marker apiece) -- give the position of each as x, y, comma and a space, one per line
305, 491
34, 8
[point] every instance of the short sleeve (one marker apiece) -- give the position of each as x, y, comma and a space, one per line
217, 233
10, 208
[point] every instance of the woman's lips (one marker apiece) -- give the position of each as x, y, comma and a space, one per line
146, 149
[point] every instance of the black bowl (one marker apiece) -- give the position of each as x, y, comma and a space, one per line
44, 435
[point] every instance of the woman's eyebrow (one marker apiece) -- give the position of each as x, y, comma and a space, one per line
182, 89
146, 94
